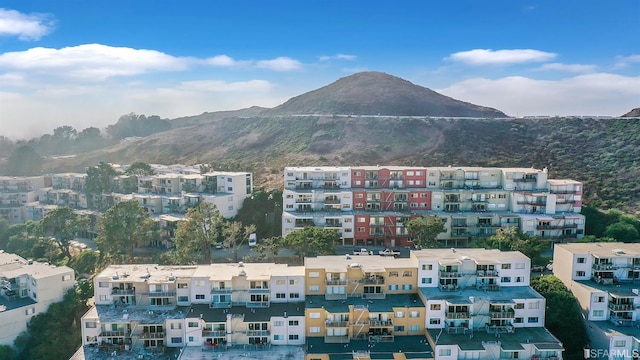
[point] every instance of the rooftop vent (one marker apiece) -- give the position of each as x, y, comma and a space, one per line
240, 264
617, 251
354, 266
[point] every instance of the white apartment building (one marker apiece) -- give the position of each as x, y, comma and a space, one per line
369, 205
27, 288
210, 306
605, 279
479, 305
15, 193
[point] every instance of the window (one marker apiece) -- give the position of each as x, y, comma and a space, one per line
620, 343
506, 279
399, 314
444, 352
506, 266
393, 287
600, 299
414, 328
435, 307
176, 340
280, 282
519, 279
393, 274
183, 285
413, 205
409, 173
199, 296
314, 288
314, 315
190, 338
314, 274
580, 260
357, 173
277, 337
359, 196
30, 311
407, 273
102, 297
532, 319
579, 273
293, 323
414, 314
598, 313
90, 325
427, 280
293, 282
427, 267
407, 287
293, 337
534, 305
294, 295
348, 220
434, 321
103, 284
398, 328
278, 323
361, 229
519, 265
518, 320
519, 306
361, 219
502, 196
183, 298
176, 326
66, 277
281, 296
314, 329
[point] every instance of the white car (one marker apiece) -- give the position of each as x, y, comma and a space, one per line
550, 266
253, 240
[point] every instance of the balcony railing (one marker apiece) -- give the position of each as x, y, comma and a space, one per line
335, 296
374, 296
526, 180
456, 330
221, 291
449, 274
333, 224
372, 281
602, 267
549, 227
153, 335
332, 201
531, 202
220, 304
448, 287
162, 294
257, 304
105, 333
457, 315
621, 307
332, 323
336, 339
487, 273
214, 333
123, 292
258, 333
381, 323
502, 314
335, 282
259, 290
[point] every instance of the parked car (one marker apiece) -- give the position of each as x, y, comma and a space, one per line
537, 268
362, 251
388, 252
550, 266
253, 240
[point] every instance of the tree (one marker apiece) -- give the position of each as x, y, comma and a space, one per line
24, 161
563, 315
268, 248
236, 235
312, 241
85, 262
122, 228
63, 224
98, 181
622, 231
7, 352
4, 233
139, 168
425, 230
202, 227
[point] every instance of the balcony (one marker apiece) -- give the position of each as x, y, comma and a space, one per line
256, 290
153, 335
122, 292
158, 294
532, 202
549, 227
332, 201
457, 315
526, 180
621, 307
105, 333
487, 225
372, 281
258, 304
503, 314
449, 274
336, 339
493, 287
214, 333
603, 267
258, 333
381, 323
340, 323
335, 296
335, 282
220, 304
487, 273
456, 330
448, 287
333, 224
374, 296
221, 291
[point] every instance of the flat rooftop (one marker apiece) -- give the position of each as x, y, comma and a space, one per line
108, 313
12, 266
368, 263
456, 255
413, 347
604, 249
620, 289
505, 295
540, 337
250, 314
9, 305
380, 305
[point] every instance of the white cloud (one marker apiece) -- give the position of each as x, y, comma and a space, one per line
222, 61
215, 85
280, 64
624, 61
91, 61
577, 68
480, 57
25, 27
338, 57
590, 94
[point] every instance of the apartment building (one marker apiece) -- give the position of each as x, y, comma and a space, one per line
604, 277
27, 288
479, 305
214, 307
366, 306
370, 205
15, 193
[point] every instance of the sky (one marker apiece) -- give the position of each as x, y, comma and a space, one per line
86, 63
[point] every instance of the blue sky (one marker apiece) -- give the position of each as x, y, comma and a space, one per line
85, 63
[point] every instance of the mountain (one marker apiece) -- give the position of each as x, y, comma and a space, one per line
376, 93
633, 113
